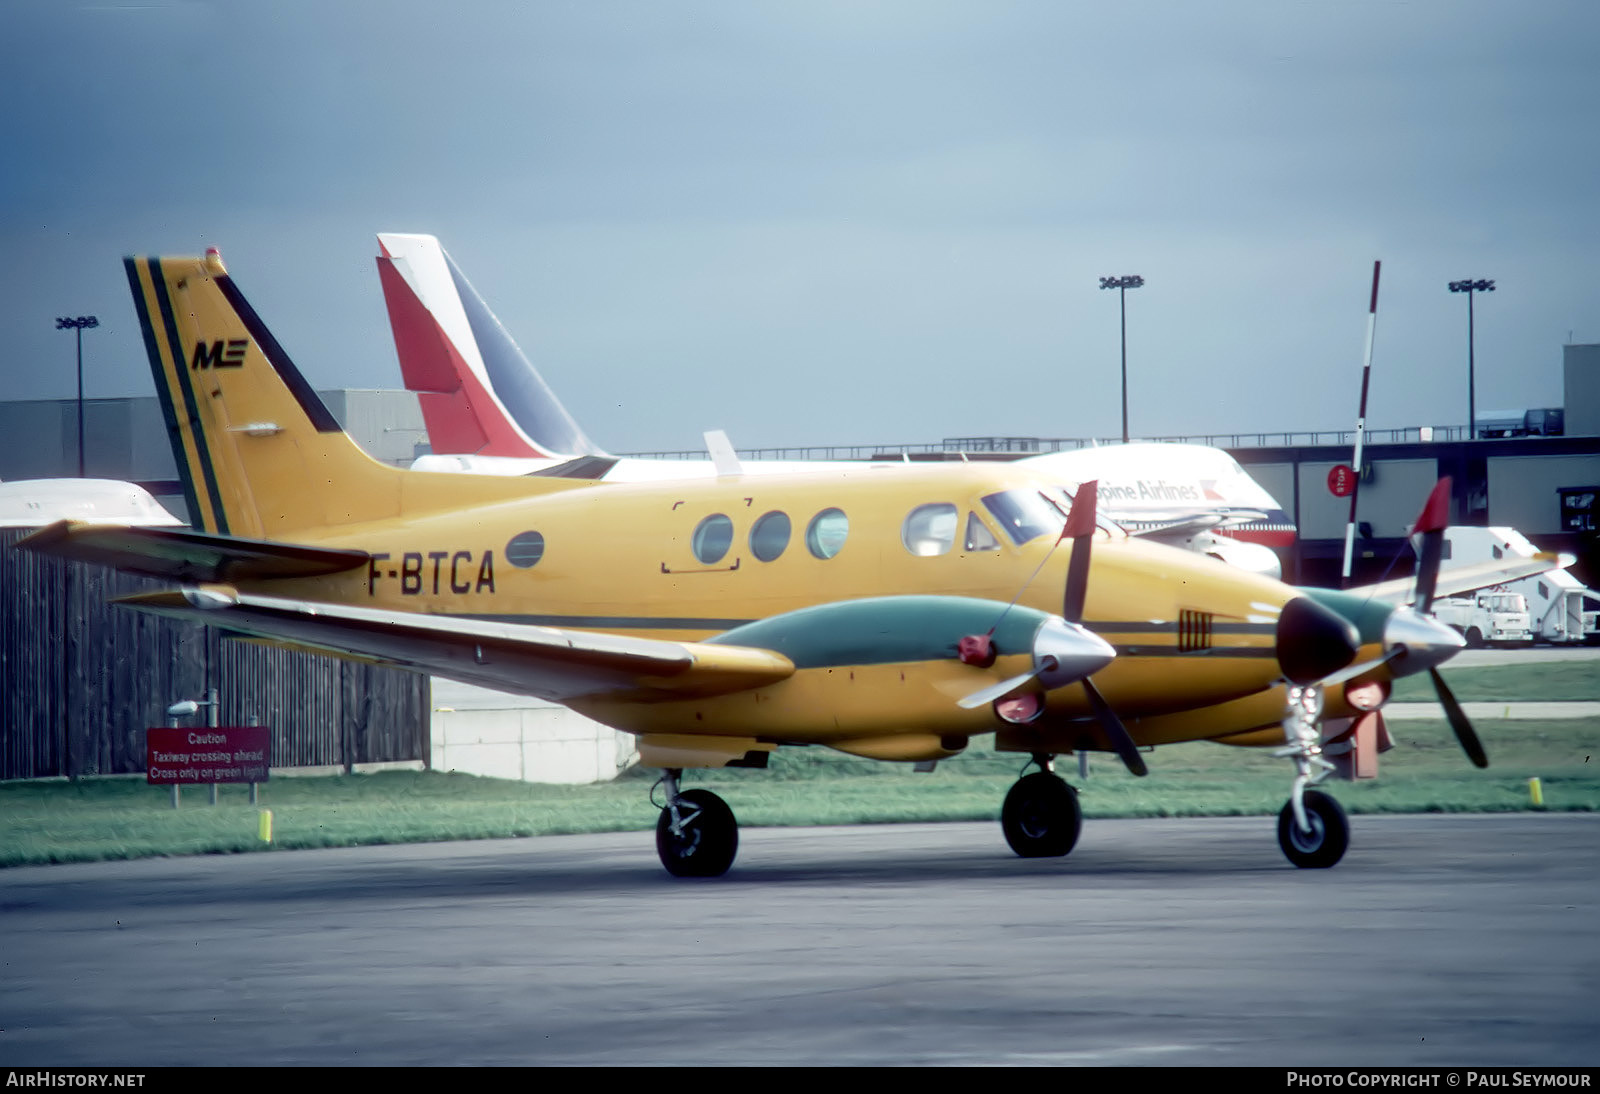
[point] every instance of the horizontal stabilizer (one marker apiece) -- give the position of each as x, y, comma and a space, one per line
584, 467
548, 662
181, 554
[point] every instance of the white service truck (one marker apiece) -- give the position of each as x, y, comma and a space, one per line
1560, 608
1491, 617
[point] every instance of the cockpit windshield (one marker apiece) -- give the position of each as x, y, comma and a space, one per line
1024, 514
1060, 499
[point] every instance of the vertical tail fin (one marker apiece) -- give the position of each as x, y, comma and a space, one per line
259, 453
479, 393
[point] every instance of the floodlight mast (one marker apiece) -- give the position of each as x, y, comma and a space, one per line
1469, 286
79, 324
1122, 285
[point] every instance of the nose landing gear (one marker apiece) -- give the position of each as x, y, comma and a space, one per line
1313, 830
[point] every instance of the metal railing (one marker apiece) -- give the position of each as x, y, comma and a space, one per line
1031, 445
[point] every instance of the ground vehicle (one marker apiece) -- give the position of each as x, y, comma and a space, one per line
1560, 608
1489, 618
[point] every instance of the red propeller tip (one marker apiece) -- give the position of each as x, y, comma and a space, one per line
1436, 513
1080, 521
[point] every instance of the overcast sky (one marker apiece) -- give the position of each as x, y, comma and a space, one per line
855, 222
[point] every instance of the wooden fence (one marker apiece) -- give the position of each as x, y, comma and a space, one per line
80, 681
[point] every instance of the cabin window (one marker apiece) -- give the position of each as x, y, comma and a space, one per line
712, 538
524, 549
929, 529
1024, 514
826, 533
979, 538
770, 535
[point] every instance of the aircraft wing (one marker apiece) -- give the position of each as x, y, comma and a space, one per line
182, 554
1163, 527
1186, 522
1466, 579
548, 662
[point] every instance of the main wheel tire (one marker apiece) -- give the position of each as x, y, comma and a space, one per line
1328, 839
1041, 817
708, 841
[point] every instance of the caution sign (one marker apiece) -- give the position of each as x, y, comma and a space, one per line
208, 754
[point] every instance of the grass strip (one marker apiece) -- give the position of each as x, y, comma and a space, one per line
112, 818
1538, 682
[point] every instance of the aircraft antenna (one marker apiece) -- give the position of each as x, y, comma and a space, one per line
1025, 584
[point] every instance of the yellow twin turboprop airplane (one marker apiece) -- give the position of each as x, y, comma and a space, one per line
893, 613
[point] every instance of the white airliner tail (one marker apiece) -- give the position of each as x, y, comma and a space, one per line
479, 393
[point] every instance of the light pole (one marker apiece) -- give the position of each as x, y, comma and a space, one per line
1469, 287
78, 325
1122, 285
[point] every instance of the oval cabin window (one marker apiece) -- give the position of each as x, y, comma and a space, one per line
929, 529
770, 536
826, 533
712, 538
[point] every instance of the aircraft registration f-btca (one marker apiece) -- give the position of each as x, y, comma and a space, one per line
892, 612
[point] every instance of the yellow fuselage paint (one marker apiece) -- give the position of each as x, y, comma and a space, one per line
619, 558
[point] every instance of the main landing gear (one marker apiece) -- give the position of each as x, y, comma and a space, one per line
696, 835
1041, 817
1312, 829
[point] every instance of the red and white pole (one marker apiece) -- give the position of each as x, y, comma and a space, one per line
1361, 427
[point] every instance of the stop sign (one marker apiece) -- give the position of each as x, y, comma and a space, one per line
1342, 481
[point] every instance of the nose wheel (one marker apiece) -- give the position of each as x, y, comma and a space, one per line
696, 835
1041, 817
1324, 839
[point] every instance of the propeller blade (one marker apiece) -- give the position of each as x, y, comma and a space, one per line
1431, 523
1080, 529
1121, 739
1350, 672
1458, 721
995, 691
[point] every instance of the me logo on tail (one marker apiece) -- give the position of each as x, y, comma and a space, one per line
219, 354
